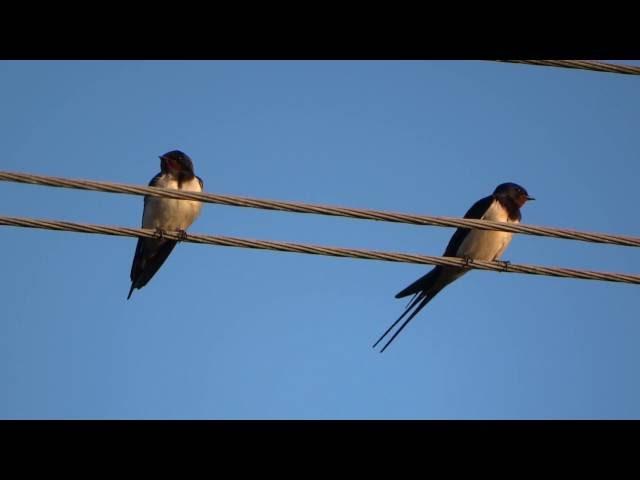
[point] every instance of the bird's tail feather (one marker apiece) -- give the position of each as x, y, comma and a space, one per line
421, 284
146, 265
419, 303
412, 304
412, 299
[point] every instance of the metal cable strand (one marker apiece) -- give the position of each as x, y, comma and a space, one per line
298, 207
583, 65
322, 250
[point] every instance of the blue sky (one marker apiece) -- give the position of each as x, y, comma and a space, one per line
229, 333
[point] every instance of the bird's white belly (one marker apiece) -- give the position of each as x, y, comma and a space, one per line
487, 244
172, 214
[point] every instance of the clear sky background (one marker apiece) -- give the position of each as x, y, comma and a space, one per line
230, 333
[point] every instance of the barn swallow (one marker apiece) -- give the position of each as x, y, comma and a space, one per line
165, 214
501, 206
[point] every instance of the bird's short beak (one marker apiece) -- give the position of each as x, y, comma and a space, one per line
530, 198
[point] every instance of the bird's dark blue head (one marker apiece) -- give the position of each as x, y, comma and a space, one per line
514, 192
176, 162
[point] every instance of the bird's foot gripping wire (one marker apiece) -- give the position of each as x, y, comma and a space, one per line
182, 235
467, 261
159, 233
506, 264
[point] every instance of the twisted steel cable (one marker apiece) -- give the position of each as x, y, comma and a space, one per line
321, 250
582, 64
297, 207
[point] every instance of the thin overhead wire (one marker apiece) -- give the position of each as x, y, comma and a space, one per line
321, 250
297, 207
583, 65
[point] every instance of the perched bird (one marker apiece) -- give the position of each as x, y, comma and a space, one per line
165, 214
501, 206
